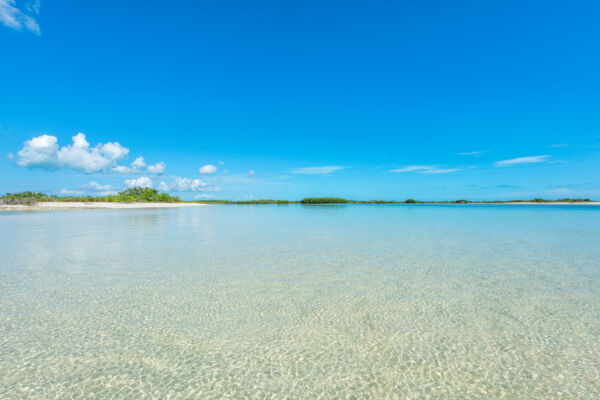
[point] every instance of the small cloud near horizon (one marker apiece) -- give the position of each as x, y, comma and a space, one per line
181, 184
327, 170
139, 166
474, 153
425, 169
142, 181
72, 192
522, 160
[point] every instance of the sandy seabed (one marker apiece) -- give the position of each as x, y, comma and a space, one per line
58, 205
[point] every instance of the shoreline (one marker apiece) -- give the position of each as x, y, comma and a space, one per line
80, 205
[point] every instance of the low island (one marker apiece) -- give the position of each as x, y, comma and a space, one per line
138, 197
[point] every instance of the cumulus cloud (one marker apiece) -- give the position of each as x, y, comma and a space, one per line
425, 169
44, 152
522, 160
207, 169
83, 158
317, 170
15, 18
139, 166
157, 168
187, 184
179, 184
142, 181
139, 163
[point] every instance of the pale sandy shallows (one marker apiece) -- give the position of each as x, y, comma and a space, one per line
57, 205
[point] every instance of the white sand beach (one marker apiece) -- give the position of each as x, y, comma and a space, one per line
58, 205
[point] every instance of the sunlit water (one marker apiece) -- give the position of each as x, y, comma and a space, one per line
273, 302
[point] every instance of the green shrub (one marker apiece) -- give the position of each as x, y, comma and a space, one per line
323, 200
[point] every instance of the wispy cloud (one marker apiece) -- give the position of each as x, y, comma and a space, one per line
72, 192
500, 186
317, 170
522, 160
474, 153
425, 169
559, 145
15, 18
204, 196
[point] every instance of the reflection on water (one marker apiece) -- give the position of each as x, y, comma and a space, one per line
355, 301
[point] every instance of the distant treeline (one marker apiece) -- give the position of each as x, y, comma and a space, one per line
138, 194
338, 200
132, 195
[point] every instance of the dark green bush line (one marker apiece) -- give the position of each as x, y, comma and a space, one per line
323, 200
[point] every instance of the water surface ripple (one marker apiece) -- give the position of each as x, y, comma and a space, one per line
301, 302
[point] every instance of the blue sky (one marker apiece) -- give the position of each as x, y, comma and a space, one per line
271, 99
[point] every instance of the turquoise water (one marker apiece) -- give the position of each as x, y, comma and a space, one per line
301, 302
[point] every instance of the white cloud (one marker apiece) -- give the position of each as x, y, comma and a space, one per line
142, 181
40, 151
72, 192
474, 153
559, 145
316, 170
43, 152
425, 169
204, 196
207, 169
561, 190
139, 163
10, 156
122, 169
80, 157
157, 168
251, 172
522, 160
15, 18
139, 166
188, 185
220, 162
96, 186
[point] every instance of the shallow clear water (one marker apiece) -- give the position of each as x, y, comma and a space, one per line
301, 302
